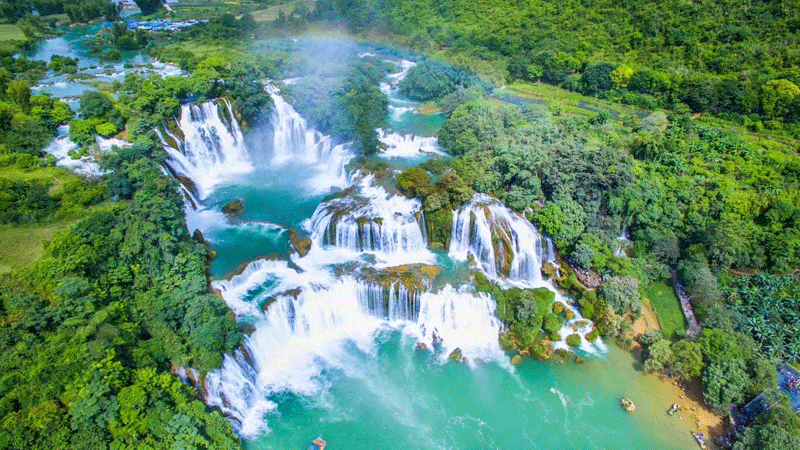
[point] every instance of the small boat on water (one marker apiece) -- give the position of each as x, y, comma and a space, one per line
628, 404
317, 444
701, 440
674, 408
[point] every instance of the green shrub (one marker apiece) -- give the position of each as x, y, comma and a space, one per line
105, 129
574, 340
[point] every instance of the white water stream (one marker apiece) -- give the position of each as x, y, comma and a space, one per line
307, 312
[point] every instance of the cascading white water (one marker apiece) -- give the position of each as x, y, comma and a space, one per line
503, 243
60, 149
508, 248
390, 226
407, 145
305, 332
393, 302
460, 318
549, 250
623, 243
293, 140
397, 105
212, 149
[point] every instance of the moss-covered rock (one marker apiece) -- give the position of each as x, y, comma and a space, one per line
505, 342
234, 208
573, 340
516, 360
302, 244
416, 278
552, 323
456, 355
593, 335
542, 349
439, 225
558, 308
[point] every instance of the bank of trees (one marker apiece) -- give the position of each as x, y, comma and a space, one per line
90, 333
650, 54
79, 12
344, 100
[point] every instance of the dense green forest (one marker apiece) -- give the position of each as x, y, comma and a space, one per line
90, 333
736, 59
83, 11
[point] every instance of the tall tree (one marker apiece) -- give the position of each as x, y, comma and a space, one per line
149, 6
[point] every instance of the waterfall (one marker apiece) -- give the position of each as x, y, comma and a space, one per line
212, 149
61, 147
393, 302
549, 251
623, 243
503, 243
407, 145
373, 221
460, 318
294, 340
294, 139
309, 330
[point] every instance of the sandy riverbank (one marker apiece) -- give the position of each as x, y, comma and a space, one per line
694, 415
689, 396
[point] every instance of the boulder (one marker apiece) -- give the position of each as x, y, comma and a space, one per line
302, 244
234, 208
628, 404
456, 355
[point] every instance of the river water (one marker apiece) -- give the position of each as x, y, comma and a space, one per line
333, 348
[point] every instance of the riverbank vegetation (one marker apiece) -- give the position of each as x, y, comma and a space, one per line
92, 326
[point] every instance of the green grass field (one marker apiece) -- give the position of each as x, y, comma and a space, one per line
271, 13
22, 244
570, 102
667, 308
9, 36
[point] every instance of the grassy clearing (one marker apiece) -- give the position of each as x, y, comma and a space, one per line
9, 36
667, 307
570, 102
573, 103
56, 176
271, 13
22, 244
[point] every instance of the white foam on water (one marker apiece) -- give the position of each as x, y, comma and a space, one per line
60, 148
407, 145
212, 151
294, 140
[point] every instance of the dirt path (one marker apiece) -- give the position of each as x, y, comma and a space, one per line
647, 321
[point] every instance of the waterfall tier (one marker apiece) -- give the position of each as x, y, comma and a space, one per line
503, 243
212, 147
407, 145
300, 335
294, 140
373, 221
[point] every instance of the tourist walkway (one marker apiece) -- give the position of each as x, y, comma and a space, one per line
686, 306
